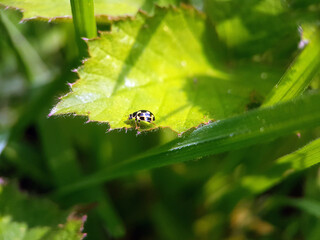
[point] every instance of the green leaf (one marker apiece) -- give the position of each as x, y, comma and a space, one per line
167, 64
299, 160
57, 10
299, 75
233, 133
250, 27
26, 218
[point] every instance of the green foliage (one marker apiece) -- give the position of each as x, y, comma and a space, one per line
83, 18
22, 217
168, 64
251, 27
61, 10
240, 79
243, 130
299, 160
298, 77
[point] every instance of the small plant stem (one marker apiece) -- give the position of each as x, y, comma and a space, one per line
83, 20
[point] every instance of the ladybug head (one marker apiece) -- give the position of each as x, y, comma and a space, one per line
130, 116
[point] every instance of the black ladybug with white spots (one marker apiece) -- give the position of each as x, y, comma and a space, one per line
142, 116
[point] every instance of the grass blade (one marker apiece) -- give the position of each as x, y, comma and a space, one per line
247, 129
84, 23
299, 160
83, 18
299, 74
35, 68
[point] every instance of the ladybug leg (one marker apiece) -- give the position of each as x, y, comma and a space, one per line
137, 123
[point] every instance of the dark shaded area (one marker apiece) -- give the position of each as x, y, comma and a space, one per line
222, 98
269, 33
22, 209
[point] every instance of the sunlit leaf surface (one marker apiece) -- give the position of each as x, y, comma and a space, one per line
168, 64
61, 9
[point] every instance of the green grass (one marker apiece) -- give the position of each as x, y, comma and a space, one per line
234, 151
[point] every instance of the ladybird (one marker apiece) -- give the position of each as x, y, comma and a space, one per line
142, 115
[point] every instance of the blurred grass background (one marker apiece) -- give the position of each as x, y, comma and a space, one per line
192, 200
